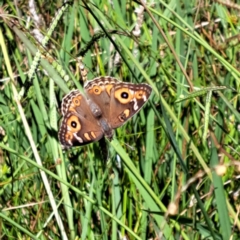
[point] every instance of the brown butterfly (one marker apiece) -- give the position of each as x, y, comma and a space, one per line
108, 104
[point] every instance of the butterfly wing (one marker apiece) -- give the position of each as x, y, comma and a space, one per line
99, 91
126, 100
78, 127
118, 101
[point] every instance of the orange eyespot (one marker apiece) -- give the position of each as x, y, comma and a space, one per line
97, 90
73, 124
139, 94
123, 95
77, 100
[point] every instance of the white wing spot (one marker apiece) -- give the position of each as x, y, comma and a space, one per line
78, 138
135, 106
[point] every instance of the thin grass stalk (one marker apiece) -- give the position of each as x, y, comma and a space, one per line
33, 146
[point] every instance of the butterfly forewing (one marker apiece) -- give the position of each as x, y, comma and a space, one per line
127, 100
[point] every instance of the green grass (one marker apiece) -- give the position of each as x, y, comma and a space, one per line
161, 179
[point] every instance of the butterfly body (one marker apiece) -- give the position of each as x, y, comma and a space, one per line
108, 104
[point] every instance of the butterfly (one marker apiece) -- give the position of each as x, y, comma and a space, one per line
107, 104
